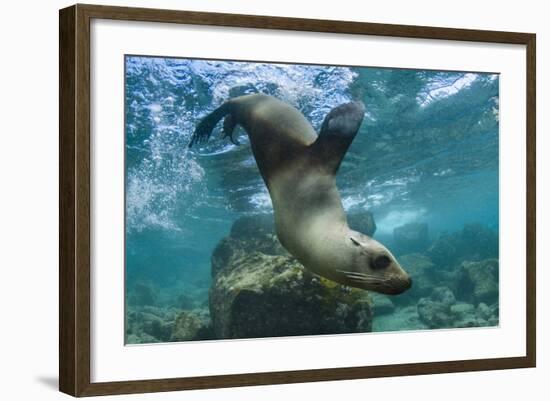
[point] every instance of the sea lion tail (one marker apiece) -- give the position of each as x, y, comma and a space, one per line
205, 127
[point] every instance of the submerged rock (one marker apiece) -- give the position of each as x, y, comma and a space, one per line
474, 242
441, 310
481, 241
362, 222
184, 301
463, 310
434, 314
465, 315
258, 290
484, 311
148, 325
145, 325
142, 294
253, 226
192, 325
186, 327
247, 233
478, 281
381, 304
410, 238
424, 277
404, 318
443, 295
142, 338
436, 311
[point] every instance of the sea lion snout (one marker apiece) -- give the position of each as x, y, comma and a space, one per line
402, 286
399, 280
393, 285
374, 268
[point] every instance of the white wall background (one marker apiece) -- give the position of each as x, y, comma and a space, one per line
28, 198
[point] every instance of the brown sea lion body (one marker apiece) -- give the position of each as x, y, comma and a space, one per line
299, 168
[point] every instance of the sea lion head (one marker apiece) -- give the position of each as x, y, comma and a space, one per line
373, 267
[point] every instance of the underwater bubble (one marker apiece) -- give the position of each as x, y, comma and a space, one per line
261, 201
397, 218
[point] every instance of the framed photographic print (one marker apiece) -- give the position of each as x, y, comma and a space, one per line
252, 200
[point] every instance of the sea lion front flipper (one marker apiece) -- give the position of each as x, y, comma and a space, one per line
337, 132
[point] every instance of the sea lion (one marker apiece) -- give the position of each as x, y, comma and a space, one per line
299, 169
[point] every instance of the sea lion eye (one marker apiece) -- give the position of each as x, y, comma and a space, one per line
381, 262
355, 242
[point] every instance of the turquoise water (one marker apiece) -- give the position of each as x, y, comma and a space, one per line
425, 158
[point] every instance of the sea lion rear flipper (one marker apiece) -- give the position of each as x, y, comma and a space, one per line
205, 127
337, 132
229, 125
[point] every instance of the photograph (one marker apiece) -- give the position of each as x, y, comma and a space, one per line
271, 199
256, 199
234, 200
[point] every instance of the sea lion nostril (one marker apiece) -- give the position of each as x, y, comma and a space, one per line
381, 262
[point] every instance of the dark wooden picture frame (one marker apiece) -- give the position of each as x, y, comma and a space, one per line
74, 199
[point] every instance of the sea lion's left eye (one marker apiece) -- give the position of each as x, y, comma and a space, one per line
381, 262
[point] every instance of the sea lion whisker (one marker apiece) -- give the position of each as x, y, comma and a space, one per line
362, 278
365, 279
348, 273
357, 275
